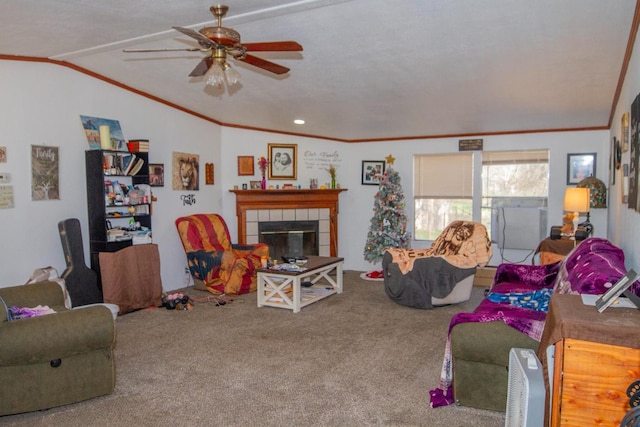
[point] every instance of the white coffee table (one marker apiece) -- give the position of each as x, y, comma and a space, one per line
283, 289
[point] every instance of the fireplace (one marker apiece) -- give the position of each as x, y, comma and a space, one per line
289, 238
257, 206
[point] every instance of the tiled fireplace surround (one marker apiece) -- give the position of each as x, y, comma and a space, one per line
254, 206
286, 215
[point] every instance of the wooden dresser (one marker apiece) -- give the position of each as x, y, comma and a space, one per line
596, 358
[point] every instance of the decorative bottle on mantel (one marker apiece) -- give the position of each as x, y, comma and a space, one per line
262, 164
332, 172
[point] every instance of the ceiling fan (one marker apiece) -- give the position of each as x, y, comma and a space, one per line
219, 43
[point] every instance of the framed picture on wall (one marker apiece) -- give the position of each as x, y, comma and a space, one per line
372, 172
283, 161
245, 165
624, 139
156, 174
580, 166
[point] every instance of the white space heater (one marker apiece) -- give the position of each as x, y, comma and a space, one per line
525, 398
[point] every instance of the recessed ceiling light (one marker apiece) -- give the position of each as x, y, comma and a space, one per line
298, 121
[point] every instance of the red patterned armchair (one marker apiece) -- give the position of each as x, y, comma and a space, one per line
217, 265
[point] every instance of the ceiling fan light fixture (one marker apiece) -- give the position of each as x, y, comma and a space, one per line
215, 76
232, 75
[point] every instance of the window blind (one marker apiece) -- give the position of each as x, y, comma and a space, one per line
443, 176
514, 157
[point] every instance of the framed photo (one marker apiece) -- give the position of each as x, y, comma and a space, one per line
614, 161
625, 183
185, 171
156, 174
372, 172
616, 290
283, 161
625, 132
254, 185
580, 166
245, 165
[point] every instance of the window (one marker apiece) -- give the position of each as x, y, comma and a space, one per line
443, 187
508, 177
443, 192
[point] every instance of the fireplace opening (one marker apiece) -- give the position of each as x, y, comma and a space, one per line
289, 238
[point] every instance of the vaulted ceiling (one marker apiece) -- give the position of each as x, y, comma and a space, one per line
370, 69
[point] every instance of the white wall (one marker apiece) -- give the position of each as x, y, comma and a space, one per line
624, 223
41, 104
356, 204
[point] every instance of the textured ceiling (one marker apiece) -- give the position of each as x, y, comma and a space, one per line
370, 69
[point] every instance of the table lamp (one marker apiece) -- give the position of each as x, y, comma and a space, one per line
577, 200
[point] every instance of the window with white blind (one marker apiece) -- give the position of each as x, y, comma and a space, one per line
443, 186
443, 192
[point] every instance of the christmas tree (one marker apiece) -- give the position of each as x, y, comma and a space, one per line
389, 223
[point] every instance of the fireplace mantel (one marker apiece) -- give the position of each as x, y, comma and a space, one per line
288, 199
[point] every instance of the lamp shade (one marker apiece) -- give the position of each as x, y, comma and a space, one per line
577, 199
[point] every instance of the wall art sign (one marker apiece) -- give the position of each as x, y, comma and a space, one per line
470, 144
45, 179
6, 196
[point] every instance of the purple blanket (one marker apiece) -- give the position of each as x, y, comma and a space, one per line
591, 268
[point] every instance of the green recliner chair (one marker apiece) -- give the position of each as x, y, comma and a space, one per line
53, 359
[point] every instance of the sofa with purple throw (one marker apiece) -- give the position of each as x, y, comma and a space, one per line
475, 367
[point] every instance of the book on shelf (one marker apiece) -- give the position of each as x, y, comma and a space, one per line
135, 169
128, 161
116, 188
139, 145
142, 209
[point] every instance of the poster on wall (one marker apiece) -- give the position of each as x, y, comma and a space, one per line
633, 155
92, 128
6, 196
44, 173
185, 171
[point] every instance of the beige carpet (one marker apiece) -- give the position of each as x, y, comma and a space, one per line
355, 359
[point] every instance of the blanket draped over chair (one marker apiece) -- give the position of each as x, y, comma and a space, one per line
214, 262
413, 276
463, 244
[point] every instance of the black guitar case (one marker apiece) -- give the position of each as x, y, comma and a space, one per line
81, 281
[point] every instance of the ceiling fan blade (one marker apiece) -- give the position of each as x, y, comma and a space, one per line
273, 46
201, 68
196, 35
190, 49
264, 64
